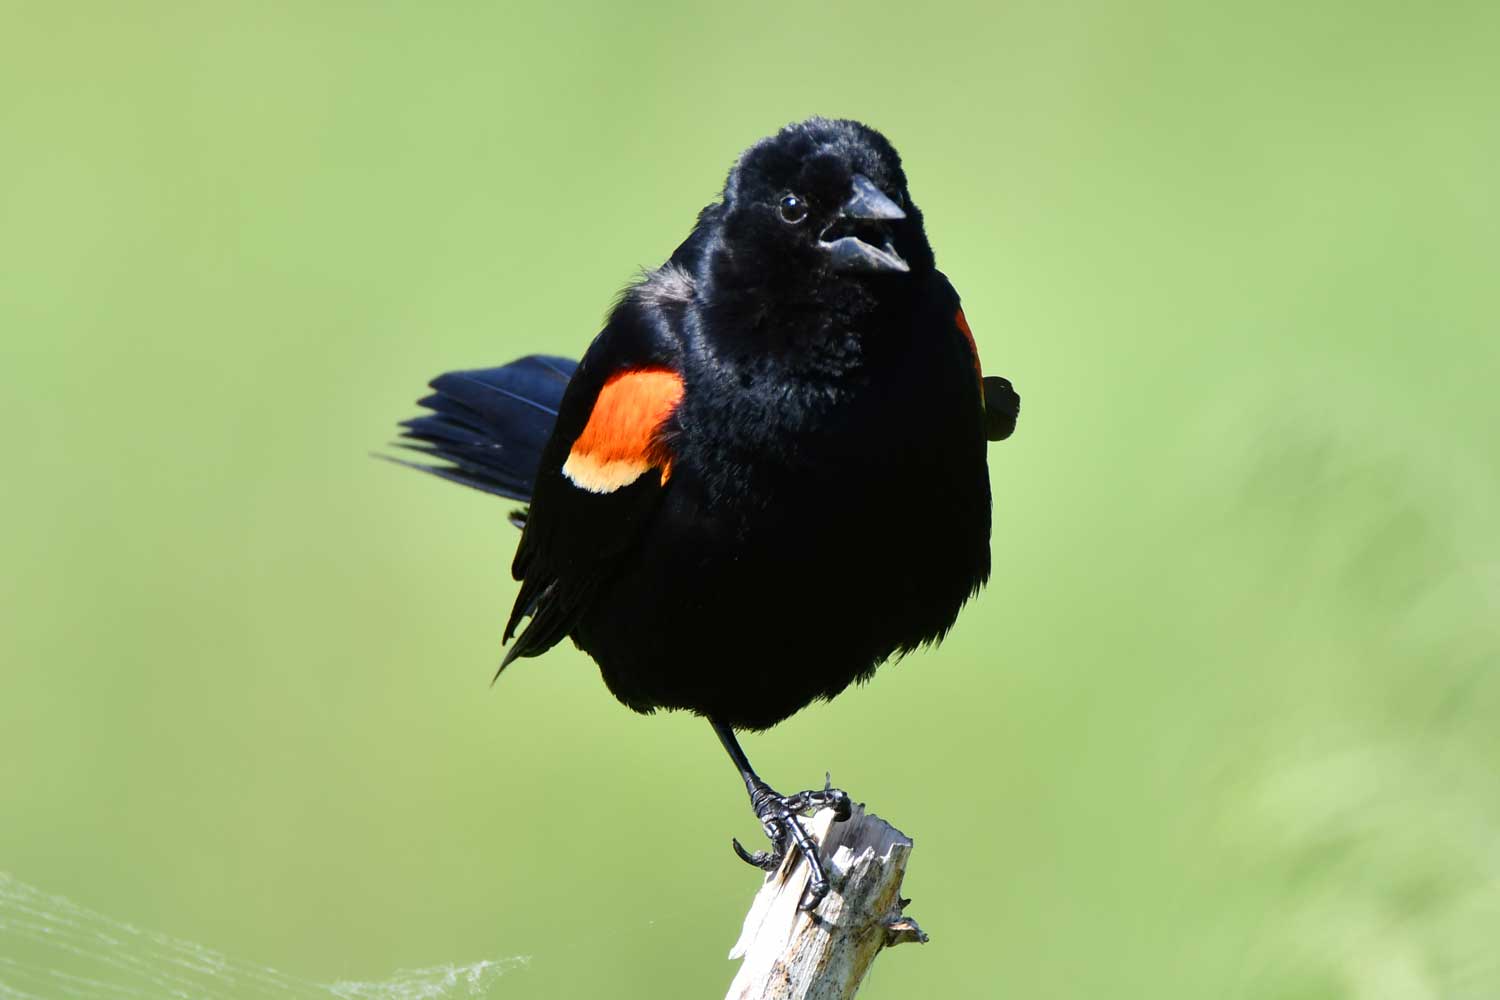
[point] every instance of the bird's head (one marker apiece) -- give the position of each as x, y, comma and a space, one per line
822, 201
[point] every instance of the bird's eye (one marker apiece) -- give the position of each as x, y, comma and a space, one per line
793, 209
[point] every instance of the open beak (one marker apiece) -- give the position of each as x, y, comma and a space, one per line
859, 239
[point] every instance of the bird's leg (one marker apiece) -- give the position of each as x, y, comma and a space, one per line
778, 817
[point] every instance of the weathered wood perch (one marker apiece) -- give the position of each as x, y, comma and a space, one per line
825, 954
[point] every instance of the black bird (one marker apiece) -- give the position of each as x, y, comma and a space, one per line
767, 475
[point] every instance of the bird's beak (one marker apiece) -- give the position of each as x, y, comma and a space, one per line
864, 215
869, 202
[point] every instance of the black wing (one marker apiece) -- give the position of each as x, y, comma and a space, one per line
490, 426
1002, 404
578, 529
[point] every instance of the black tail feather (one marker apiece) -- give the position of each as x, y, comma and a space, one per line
490, 425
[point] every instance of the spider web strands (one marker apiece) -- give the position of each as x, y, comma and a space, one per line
54, 949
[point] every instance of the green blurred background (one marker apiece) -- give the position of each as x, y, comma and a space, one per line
1225, 723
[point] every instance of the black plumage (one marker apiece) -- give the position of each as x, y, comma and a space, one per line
767, 476
490, 425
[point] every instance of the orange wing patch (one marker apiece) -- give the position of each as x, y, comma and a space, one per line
622, 439
963, 324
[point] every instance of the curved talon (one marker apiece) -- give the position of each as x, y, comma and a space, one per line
778, 815
764, 860
812, 896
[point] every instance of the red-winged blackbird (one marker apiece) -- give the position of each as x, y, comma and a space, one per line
767, 474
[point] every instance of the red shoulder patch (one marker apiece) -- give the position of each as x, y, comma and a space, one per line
622, 438
963, 325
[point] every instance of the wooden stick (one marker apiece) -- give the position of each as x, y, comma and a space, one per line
825, 954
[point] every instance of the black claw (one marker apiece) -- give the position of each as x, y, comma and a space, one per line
839, 802
812, 895
778, 817
760, 859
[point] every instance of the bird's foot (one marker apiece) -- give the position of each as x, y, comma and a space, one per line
778, 815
